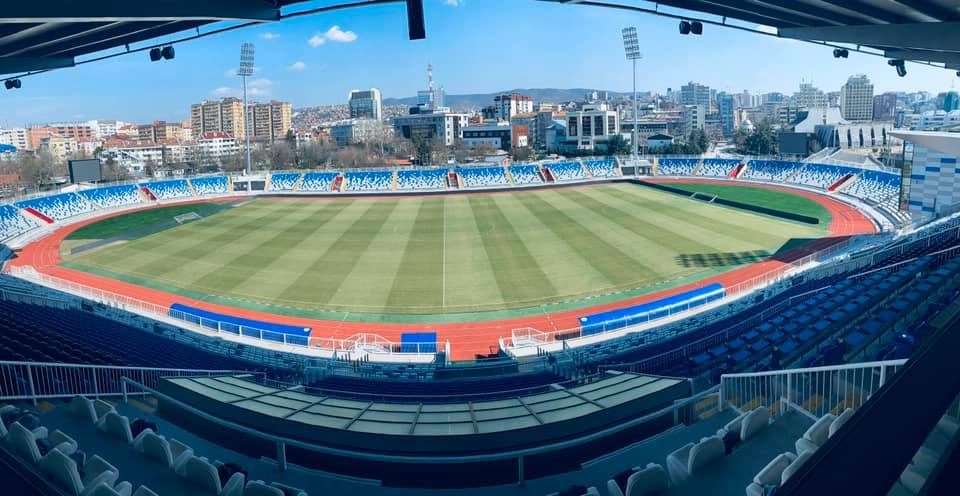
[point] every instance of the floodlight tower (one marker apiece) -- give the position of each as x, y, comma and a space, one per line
631, 45
246, 70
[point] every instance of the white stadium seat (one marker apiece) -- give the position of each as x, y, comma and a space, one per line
816, 435
202, 473
771, 474
83, 408
687, 460
260, 488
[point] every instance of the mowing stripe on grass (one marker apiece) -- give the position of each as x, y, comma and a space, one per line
471, 284
518, 274
686, 235
616, 265
320, 281
295, 229
418, 281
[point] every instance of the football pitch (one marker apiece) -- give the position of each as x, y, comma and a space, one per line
507, 253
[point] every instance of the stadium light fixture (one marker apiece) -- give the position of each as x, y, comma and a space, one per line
684, 27
168, 53
12, 84
696, 27
245, 71
900, 65
155, 54
840, 53
631, 45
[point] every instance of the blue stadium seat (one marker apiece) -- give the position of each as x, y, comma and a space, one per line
13, 223
566, 171
525, 174
166, 190
209, 185
285, 181
59, 207
113, 196
422, 179
481, 177
677, 166
770, 170
317, 181
369, 180
601, 168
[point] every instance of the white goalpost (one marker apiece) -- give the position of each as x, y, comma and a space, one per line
183, 218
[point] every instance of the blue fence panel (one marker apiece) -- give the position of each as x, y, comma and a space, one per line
240, 326
624, 317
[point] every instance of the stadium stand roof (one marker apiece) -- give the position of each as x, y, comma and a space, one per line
918, 30
49, 34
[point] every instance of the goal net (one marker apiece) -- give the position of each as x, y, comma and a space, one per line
186, 217
703, 196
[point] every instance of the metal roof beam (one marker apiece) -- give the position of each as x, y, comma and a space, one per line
942, 36
867, 10
931, 9
153, 10
924, 55
10, 65
825, 15
738, 10
120, 37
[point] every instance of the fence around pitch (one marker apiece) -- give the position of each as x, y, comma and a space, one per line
35, 381
376, 347
813, 391
530, 338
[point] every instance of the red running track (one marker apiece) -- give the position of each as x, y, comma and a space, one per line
467, 339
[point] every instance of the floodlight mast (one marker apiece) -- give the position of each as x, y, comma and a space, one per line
246, 70
631, 45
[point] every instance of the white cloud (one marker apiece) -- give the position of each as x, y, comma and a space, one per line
334, 34
453, 3
269, 35
258, 88
298, 66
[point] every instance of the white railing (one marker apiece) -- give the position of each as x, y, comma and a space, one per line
811, 391
359, 346
529, 341
36, 381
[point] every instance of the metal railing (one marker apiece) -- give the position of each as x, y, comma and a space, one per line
36, 381
529, 341
813, 391
680, 412
361, 345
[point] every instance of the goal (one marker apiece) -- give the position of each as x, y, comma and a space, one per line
703, 196
183, 218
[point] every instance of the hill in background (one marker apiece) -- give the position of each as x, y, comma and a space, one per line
479, 100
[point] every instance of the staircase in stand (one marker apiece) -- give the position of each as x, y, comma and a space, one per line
337, 183
38, 214
547, 175
735, 173
149, 194
452, 180
835, 186
506, 171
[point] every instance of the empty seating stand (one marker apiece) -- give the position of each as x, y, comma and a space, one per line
284, 181
566, 171
317, 181
13, 223
821, 175
601, 168
525, 174
113, 196
482, 177
875, 186
166, 190
210, 185
677, 166
369, 180
58, 207
770, 170
422, 179
718, 167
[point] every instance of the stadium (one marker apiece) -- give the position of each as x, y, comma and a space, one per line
619, 325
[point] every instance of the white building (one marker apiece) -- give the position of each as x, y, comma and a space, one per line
353, 131
510, 105
497, 135
934, 120
856, 99
931, 162
216, 145
103, 129
810, 96
15, 136
591, 126
445, 125
366, 104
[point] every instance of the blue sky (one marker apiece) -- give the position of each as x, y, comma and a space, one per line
475, 46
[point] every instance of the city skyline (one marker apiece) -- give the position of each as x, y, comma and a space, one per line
319, 59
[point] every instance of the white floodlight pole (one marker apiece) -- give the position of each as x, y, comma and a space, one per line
246, 69
631, 45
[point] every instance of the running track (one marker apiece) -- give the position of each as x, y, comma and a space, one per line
467, 339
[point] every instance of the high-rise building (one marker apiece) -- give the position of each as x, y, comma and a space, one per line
510, 105
856, 99
728, 117
810, 96
270, 121
695, 94
951, 101
366, 104
224, 116
885, 107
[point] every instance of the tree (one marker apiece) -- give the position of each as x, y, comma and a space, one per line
618, 145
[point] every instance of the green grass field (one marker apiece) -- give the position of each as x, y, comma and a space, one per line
503, 254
